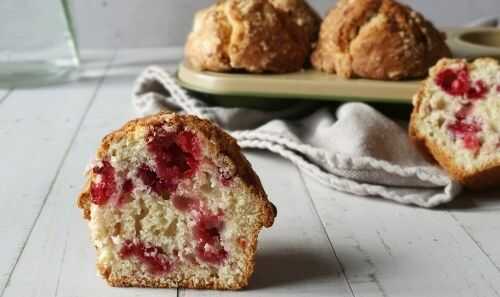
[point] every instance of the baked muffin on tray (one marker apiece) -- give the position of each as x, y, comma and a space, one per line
172, 202
274, 36
456, 119
377, 39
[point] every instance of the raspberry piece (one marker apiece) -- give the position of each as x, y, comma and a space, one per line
207, 228
153, 257
464, 112
210, 254
152, 180
189, 144
185, 203
176, 156
453, 82
104, 185
225, 182
461, 128
226, 176
466, 131
207, 233
477, 90
471, 142
127, 188
170, 160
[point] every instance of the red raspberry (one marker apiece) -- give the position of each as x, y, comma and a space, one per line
177, 156
153, 257
471, 142
104, 184
466, 131
478, 90
186, 203
207, 233
453, 82
127, 188
210, 254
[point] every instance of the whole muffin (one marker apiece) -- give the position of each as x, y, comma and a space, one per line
257, 36
377, 39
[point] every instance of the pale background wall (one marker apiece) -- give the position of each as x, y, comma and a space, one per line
155, 23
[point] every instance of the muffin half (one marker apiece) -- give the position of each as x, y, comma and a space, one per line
456, 119
172, 202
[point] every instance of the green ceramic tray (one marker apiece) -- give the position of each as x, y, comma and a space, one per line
249, 89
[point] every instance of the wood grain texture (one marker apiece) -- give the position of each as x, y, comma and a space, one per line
36, 131
395, 250
324, 243
478, 214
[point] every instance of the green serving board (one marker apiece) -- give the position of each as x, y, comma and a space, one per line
243, 89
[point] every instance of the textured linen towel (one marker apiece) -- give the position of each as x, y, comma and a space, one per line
356, 150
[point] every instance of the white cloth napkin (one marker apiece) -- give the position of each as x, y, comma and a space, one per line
357, 150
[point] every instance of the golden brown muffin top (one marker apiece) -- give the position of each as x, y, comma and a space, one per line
380, 39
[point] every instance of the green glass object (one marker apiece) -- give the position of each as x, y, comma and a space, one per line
37, 43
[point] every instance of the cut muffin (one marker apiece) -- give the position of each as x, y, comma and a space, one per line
257, 36
172, 202
456, 118
377, 39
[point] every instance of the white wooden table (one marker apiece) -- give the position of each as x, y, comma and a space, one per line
324, 243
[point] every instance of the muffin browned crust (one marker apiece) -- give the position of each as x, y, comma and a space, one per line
253, 35
222, 147
435, 111
377, 39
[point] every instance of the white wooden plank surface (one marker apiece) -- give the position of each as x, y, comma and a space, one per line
36, 129
59, 260
4, 93
479, 215
395, 250
381, 249
295, 257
